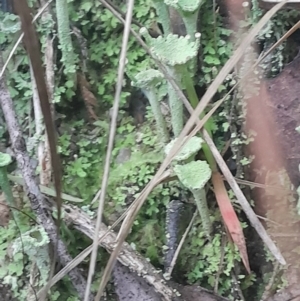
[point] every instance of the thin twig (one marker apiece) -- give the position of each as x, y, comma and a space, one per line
96, 197
259, 185
112, 133
21, 37
133, 21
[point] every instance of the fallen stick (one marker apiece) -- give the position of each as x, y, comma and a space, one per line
130, 258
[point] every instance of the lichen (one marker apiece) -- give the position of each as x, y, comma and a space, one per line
34, 243
148, 80
193, 175
188, 150
173, 50
189, 11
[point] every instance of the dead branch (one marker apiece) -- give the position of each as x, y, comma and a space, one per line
31, 187
132, 259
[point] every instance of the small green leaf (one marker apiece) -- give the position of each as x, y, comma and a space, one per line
211, 60
221, 88
211, 50
221, 50
86, 5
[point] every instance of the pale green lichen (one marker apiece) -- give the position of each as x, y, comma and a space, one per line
10, 24
174, 52
188, 150
148, 81
64, 35
201, 202
194, 176
163, 15
162, 89
188, 11
35, 243
5, 159
147, 78
176, 105
184, 5
35, 237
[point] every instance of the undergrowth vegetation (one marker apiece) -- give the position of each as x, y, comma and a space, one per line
138, 151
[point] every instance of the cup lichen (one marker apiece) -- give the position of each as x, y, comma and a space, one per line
194, 176
148, 81
175, 53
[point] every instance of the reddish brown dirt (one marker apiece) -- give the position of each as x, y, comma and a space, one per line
273, 115
284, 91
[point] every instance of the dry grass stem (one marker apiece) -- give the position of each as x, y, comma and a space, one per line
112, 133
